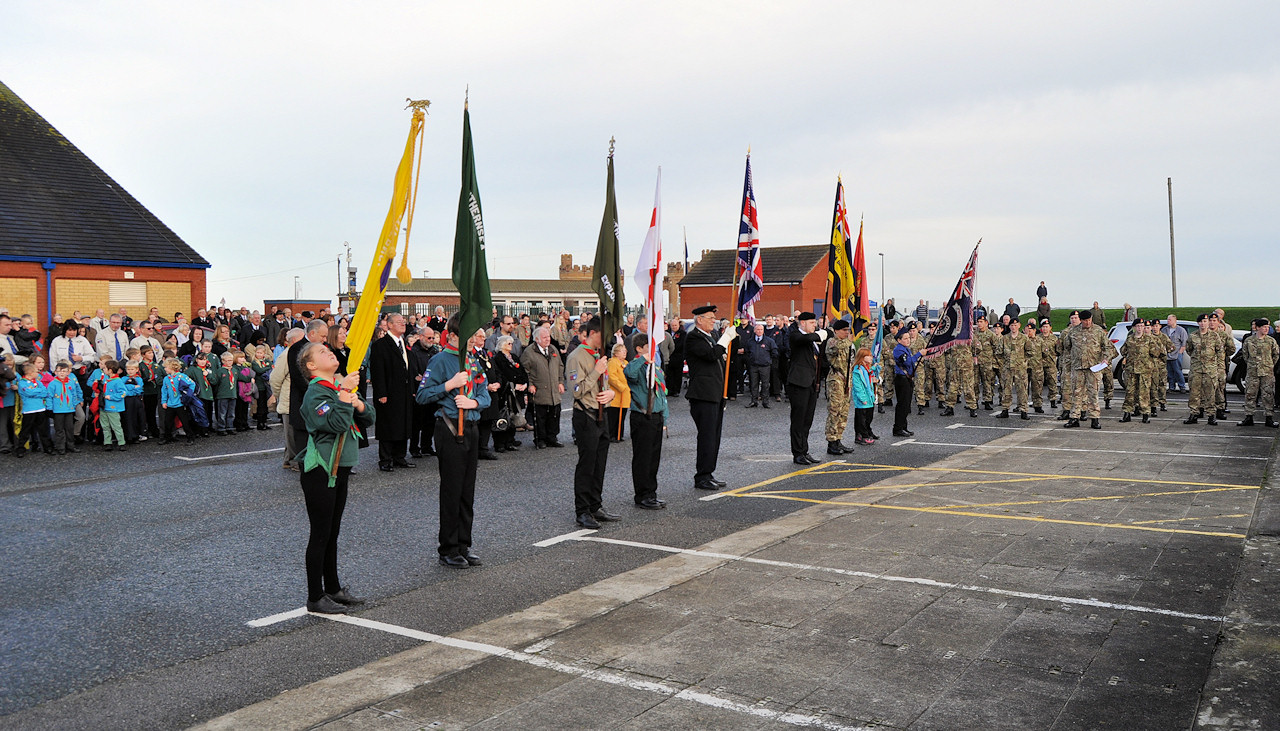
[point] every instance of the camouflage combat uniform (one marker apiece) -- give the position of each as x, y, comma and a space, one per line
1205, 348
1013, 371
1085, 348
987, 348
1261, 354
839, 352
1160, 382
1047, 373
1066, 374
960, 361
931, 377
1228, 350
1139, 353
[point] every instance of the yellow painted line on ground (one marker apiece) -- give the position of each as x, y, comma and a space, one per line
1180, 520
892, 487
817, 471
1031, 518
1092, 497
739, 490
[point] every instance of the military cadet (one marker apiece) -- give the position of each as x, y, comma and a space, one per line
1013, 371
1205, 348
839, 389
1046, 375
585, 370
1260, 354
904, 368
987, 348
705, 391
1034, 365
1160, 382
1086, 347
802, 384
1218, 323
884, 388
928, 377
1139, 353
1066, 375
960, 364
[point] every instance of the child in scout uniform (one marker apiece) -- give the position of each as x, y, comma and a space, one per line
243, 389
171, 401
152, 373
8, 394
649, 414
134, 422
64, 394
201, 375
223, 380
114, 392
35, 413
261, 365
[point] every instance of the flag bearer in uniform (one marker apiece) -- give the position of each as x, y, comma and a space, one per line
839, 357
649, 414
456, 386
705, 391
802, 384
585, 370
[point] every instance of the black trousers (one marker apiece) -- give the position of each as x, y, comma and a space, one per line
646, 453
324, 511
616, 416
804, 401
862, 422
183, 414
486, 431
457, 465
242, 415
546, 423
35, 427
63, 432
675, 375
902, 388
708, 417
760, 381
778, 387
150, 407
593, 456
423, 429
389, 450
135, 422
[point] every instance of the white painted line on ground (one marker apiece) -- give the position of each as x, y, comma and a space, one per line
233, 454
912, 580
563, 538
712, 496
277, 618
1071, 449
1009, 428
904, 441
605, 676
1196, 435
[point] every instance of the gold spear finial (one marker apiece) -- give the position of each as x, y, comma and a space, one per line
611, 141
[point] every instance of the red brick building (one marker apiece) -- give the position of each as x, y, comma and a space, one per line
795, 278
72, 239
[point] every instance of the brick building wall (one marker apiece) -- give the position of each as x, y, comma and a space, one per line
777, 298
86, 287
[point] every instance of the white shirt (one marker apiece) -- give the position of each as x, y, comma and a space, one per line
142, 340
9, 345
60, 350
107, 340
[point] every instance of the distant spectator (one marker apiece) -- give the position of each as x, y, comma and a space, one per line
1043, 309
1042, 291
890, 311
922, 311
1099, 317
1173, 362
1130, 313
1012, 309
979, 311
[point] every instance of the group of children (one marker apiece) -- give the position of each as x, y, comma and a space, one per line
124, 402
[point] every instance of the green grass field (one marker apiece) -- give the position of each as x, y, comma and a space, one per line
1238, 317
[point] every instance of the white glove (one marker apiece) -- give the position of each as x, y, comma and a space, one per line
822, 336
727, 337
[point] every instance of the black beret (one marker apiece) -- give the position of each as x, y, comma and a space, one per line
841, 325
1260, 321
704, 309
1085, 314
807, 316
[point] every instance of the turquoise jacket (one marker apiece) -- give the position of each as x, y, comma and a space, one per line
637, 373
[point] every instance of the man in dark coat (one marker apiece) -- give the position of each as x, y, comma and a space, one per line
317, 332
393, 392
424, 415
802, 384
760, 356
674, 366
705, 391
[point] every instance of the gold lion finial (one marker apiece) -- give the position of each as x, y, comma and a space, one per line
418, 104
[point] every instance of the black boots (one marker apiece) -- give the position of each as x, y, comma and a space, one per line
1095, 423
1246, 421
1126, 418
1146, 418
1072, 423
949, 411
1003, 414
1024, 416
1193, 419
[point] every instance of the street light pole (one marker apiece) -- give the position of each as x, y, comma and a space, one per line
1173, 263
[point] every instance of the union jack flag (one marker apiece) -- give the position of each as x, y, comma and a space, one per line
749, 266
955, 321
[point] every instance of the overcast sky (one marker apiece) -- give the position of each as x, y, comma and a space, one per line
267, 134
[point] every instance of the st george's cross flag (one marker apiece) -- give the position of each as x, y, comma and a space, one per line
955, 321
750, 269
649, 275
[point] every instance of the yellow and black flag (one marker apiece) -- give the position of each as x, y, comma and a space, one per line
841, 286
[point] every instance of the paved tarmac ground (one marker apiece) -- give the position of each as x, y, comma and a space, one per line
1080, 574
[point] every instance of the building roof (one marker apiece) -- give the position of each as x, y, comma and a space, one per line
56, 203
781, 264
440, 285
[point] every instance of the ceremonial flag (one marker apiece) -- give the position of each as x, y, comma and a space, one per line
751, 282
606, 271
840, 273
860, 305
365, 318
470, 271
649, 275
955, 321
878, 345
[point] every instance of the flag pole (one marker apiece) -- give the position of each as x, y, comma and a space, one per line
733, 300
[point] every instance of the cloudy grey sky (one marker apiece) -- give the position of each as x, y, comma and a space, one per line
266, 134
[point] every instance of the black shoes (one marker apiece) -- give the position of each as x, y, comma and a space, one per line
949, 411
1246, 421
487, 454
342, 596
1095, 423
1106, 404
471, 558
752, 405
1072, 423
1146, 418
386, 467
1126, 418
651, 503
1003, 414
1271, 422
1213, 421
415, 455
1053, 404
1193, 419
604, 516
404, 463
903, 433
805, 460
718, 483
880, 409
973, 413
920, 411
765, 403
835, 448
555, 445
1024, 416
986, 406
585, 520
1039, 409
326, 605
455, 562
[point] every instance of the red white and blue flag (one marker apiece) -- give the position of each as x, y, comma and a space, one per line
955, 321
751, 271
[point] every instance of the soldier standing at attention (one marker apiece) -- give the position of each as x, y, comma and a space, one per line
1138, 352
960, 362
705, 391
1260, 354
1035, 368
1205, 348
1047, 344
1086, 346
802, 384
930, 376
1065, 374
585, 371
1013, 371
904, 368
1163, 346
986, 346
1218, 323
884, 388
839, 357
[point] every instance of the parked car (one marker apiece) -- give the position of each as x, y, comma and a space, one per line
1235, 374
